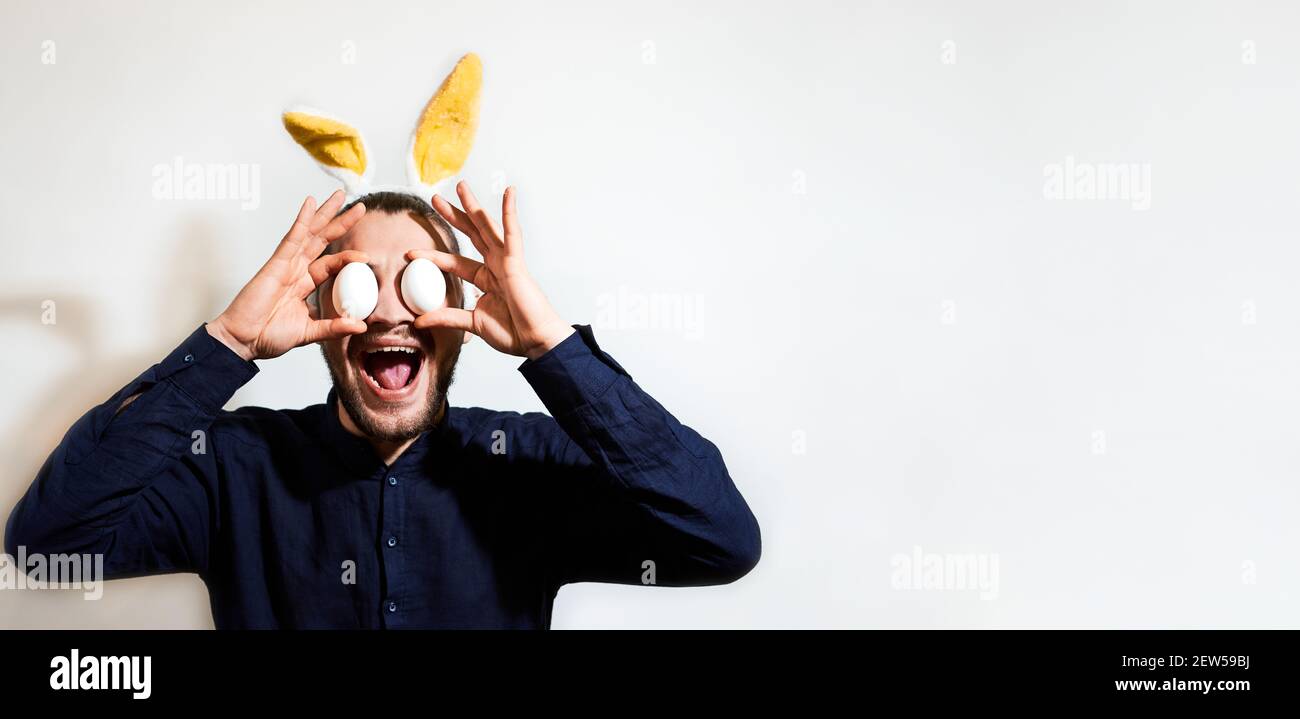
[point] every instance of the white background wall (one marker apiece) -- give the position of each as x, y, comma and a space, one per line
1102, 399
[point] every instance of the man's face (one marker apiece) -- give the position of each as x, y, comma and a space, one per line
392, 380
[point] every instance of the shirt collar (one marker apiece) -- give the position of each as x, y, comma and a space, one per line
359, 456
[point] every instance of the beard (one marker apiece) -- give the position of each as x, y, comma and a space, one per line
390, 428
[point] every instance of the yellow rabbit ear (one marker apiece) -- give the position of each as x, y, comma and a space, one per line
445, 132
337, 146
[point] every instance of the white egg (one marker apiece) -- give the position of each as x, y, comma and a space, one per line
356, 292
424, 289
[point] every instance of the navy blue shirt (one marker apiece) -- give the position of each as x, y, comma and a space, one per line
293, 522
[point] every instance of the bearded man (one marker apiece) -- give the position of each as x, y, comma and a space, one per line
385, 507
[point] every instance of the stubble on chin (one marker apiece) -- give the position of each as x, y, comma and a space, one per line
387, 428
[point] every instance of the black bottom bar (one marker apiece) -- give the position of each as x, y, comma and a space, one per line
921, 669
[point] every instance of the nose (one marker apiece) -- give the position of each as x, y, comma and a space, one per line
390, 311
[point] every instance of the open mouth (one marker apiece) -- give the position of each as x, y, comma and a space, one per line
392, 368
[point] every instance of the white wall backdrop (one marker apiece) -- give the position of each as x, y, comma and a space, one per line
878, 284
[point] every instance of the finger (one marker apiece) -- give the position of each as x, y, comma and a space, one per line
301, 223
329, 265
462, 267
306, 211
461, 221
321, 330
298, 231
510, 219
327, 211
453, 215
487, 227
339, 226
449, 317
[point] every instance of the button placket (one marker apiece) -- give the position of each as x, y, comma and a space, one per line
391, 526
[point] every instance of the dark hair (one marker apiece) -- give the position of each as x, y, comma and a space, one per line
396, 203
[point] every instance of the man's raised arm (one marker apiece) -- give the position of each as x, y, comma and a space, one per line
129, 480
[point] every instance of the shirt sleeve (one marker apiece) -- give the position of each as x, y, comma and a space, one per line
136, 483
637, 497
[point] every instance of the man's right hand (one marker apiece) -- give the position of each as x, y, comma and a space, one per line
270, 316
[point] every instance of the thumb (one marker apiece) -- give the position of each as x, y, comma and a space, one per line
321, 330
452, 317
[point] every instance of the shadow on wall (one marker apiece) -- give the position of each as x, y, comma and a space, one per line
188, 294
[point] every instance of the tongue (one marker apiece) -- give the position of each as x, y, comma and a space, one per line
392, 370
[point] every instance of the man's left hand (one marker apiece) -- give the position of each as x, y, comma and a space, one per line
512, 315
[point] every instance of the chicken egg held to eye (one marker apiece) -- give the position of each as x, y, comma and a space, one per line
356, 292
424, 289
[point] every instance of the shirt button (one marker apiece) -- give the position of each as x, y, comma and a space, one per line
392, 607
392, 541
189, 358
392, 481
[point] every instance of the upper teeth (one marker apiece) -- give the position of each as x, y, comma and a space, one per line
409, 350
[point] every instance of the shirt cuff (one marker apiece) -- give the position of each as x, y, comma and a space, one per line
206, 370
573, 373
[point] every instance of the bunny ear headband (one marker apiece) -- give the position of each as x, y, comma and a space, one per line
439, 145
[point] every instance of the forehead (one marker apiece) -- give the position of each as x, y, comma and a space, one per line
382, 234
